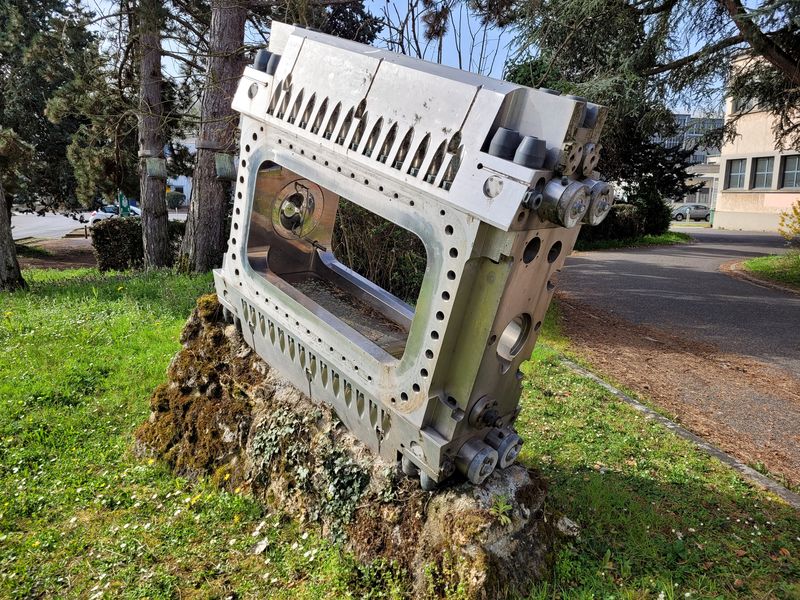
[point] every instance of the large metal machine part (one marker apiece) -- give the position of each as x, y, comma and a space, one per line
493, 178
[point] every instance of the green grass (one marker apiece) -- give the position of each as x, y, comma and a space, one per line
32, 251
656, 515
783, 269
80, 515
665, 239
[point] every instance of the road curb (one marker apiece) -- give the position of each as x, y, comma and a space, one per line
747, 472
734, 269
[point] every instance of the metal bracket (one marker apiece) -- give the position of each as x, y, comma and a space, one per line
465, 163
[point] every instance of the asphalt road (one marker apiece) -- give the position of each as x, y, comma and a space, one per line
680, 288
47, 226
57, 226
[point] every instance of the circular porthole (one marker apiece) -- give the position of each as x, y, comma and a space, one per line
555, 251
514, 336
531, 250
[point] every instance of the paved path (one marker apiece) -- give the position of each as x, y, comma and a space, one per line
47, 226
680, 288
54, 226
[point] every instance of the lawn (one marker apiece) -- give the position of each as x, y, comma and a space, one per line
665, 239
82, 516
656, 515
783, 269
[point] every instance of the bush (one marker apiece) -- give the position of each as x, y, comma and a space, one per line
175, 199
117, 242
385, 253
623, 222
789, 226
655, 214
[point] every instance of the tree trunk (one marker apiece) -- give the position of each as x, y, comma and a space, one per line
151, 137
204, 242
10, 275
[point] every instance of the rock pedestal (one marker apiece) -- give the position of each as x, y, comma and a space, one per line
226, 414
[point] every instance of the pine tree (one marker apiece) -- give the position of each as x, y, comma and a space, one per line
13, 154
204, 242
44, 45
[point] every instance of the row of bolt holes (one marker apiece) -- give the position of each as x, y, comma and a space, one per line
451, 275
529, 253
440, 315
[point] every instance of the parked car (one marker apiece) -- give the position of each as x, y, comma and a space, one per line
695, 212
110, 210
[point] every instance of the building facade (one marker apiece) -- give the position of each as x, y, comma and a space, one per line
757, 182
689, 135
706, 175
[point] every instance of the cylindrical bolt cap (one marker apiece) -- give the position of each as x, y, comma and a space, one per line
565, 202
601, 198
476, 460
531, 152
507, 443
262, 60
504, 143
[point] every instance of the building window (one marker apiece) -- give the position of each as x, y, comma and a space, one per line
743, 105
735, 173
762, 172
791, 172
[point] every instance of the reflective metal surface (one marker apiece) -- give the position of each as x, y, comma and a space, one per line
490, 176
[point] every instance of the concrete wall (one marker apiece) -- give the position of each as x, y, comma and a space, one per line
745, 221
749, 208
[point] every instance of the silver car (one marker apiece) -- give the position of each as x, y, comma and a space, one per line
110, 210
695, 212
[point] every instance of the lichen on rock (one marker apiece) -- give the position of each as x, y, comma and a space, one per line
226, 414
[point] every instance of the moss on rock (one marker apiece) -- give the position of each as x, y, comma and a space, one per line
225, 414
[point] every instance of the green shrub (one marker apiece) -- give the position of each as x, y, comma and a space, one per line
175, 199
653, 211
383, 252
623, 222
117, 242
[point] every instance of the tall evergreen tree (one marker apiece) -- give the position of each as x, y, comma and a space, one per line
13, 154
44, 45
204, 242
674, 51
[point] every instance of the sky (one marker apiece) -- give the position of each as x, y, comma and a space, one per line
467, 45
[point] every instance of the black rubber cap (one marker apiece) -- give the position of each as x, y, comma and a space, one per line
504, 143
531, 152
262, 60
272, 65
